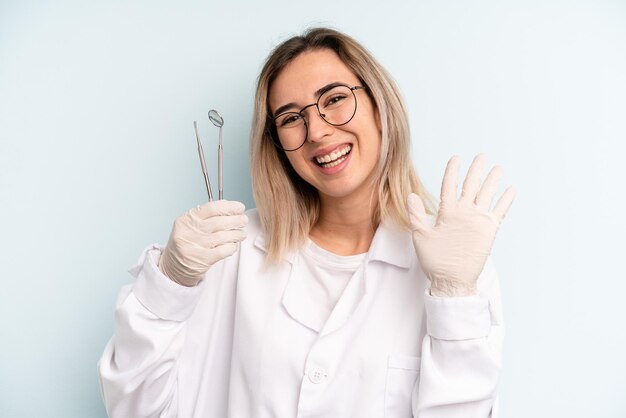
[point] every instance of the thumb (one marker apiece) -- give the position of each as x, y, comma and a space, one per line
417, 212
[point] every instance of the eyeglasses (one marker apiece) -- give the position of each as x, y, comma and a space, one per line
336, 106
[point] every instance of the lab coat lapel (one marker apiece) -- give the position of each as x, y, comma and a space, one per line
301, 307
347, 303
390, 245
298, 303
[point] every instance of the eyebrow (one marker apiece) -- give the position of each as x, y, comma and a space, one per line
317, 94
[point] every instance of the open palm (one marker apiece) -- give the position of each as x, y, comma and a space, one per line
454, 250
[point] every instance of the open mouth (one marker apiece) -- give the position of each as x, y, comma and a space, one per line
334, 158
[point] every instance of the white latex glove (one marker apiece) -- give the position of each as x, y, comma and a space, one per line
453, 252
200, 238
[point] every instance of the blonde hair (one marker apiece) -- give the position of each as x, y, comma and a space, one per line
288, 206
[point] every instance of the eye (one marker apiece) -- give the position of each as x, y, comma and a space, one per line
288, 119
334, 100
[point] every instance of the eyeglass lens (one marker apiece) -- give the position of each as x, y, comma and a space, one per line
337, 106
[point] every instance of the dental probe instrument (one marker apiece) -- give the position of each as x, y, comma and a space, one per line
207, 182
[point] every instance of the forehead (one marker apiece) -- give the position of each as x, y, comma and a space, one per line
309, 71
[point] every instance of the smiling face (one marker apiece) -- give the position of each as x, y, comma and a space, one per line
339, 161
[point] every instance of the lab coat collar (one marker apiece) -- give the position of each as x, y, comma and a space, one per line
261, 244
391, 245
300, 305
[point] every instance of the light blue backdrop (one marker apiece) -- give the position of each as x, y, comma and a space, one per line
97, 158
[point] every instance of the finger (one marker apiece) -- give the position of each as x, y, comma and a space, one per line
200, 256
223, 251
416, 209
450, 179
218, 207
219, 223
210, 241
489, 187
472, 180
503, 205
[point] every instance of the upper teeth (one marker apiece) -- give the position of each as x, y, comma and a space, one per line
334, 155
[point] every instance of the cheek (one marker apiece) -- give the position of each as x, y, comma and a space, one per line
297, 163
372, 112
374, 138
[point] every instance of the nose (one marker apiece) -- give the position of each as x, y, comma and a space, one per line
317, 127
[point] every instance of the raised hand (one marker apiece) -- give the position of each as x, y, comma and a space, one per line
200, 238
453, 252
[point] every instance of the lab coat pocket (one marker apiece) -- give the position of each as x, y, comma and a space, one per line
402, 375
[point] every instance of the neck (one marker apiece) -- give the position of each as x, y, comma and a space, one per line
345, 225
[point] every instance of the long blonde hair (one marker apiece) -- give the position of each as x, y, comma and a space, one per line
287, 205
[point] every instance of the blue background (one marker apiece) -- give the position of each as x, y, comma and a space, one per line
98, 157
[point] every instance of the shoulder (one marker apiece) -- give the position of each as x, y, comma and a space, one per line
255, 236
254, 222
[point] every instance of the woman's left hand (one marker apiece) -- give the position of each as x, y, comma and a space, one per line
453, 252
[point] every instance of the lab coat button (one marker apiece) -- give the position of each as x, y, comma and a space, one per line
317, 375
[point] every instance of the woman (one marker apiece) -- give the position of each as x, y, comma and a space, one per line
334, 298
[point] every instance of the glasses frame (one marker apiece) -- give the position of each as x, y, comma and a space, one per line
274, 130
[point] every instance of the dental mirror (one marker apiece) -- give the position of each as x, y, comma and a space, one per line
217, 120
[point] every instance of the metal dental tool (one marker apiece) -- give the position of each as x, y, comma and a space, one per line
218, 121
207, 182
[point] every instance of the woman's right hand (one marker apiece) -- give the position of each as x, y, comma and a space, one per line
200, 238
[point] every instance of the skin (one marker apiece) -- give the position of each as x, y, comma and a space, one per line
345, 226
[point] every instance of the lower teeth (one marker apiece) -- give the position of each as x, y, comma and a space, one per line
334, 163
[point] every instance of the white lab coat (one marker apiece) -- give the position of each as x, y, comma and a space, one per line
246, 342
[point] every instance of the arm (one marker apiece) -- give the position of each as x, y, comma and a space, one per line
462, 347
145, 369
461, 353
138, 368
